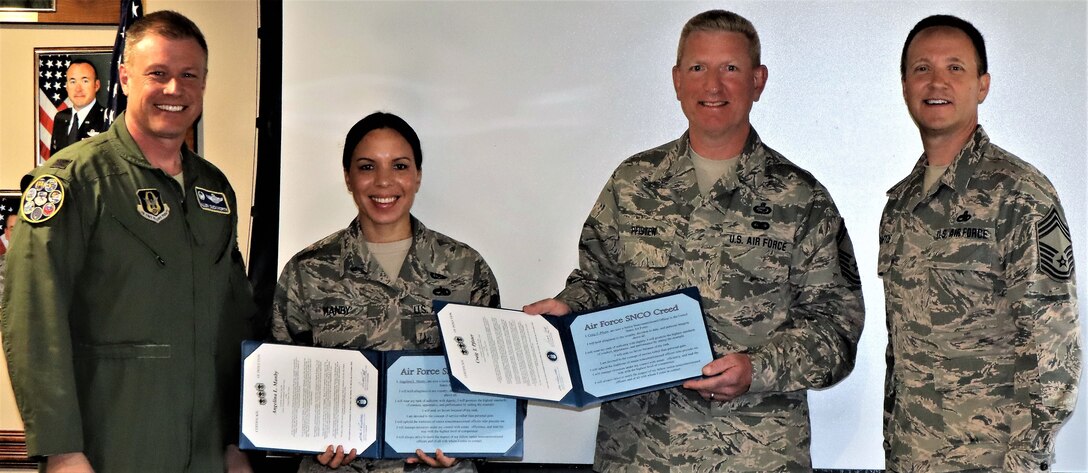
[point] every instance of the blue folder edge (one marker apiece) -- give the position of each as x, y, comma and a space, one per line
578, 397
576, 384
248, 347
516, 450
381, 450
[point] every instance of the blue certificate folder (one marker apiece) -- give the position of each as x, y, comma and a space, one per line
579, 359
384, 404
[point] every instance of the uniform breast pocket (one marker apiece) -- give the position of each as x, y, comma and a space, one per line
644, 263
340, 322
759, 263
964, 282
754, 282
960, 268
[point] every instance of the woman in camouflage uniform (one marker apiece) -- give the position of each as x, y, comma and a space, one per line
371, 285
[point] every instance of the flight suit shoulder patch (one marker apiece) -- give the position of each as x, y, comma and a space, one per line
42, 199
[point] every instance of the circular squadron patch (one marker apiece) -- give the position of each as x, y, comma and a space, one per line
42, 199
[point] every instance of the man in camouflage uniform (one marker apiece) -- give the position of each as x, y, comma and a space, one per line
984, 355
335, 294
768, 251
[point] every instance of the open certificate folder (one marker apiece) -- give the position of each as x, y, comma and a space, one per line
383, 404
578, 359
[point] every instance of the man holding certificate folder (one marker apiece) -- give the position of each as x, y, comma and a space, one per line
767, 249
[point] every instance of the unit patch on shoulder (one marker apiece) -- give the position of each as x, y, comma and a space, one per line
150, 205
42, 199
1055, 248
212, 201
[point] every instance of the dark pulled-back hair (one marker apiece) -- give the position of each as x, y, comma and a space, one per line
165, 23
377, 121
947, 21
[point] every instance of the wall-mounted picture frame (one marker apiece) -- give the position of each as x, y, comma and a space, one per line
58, 96
61, 12
28, 5
13, 451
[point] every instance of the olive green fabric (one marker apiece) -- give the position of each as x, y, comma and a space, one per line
122, 333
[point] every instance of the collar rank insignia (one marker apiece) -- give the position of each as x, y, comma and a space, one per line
42, 199
212, 201
1055, 248
150, 205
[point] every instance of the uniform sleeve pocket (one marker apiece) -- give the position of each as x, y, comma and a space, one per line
885, 260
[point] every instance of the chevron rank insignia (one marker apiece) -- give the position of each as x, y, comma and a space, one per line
1055, 248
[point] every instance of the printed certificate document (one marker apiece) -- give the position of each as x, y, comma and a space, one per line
580, 359
383, 404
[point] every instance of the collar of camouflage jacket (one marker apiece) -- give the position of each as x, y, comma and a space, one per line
959, 173
677, 170
356, 256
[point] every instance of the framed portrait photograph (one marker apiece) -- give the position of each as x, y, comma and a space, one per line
60, 12
28, 5
13, 451
71, 96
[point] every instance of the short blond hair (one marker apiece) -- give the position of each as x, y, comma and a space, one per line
721, 21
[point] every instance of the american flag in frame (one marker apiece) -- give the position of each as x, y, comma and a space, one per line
51, 96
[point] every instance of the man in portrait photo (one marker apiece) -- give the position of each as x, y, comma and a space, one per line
86, 117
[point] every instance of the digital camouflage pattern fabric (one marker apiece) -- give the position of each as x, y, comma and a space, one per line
335, 294
984, 352
773, 262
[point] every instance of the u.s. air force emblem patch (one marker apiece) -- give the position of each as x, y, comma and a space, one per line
150, 205
1055, 248
212, 201
42, 199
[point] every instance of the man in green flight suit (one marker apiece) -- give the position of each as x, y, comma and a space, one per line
126, 296
764, 243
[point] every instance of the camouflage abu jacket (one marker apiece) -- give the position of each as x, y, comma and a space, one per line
334, 294
773, 262
984, 354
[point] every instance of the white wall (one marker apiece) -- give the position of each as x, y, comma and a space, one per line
524, 109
